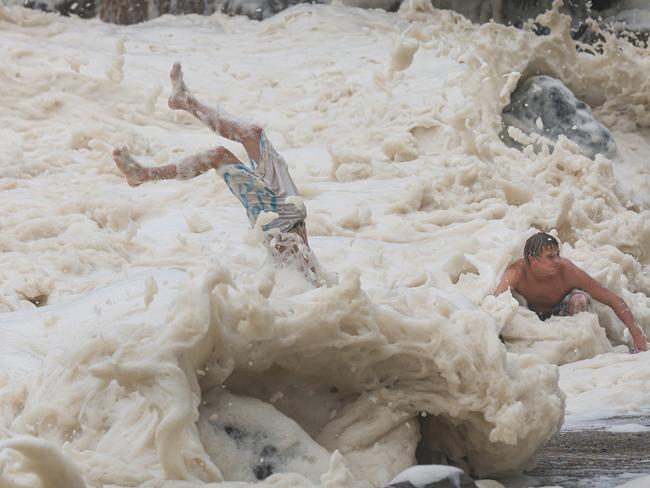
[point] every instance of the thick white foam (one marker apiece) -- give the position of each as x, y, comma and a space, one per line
411, 199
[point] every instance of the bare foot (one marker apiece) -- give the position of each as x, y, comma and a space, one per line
180, 94
135, 173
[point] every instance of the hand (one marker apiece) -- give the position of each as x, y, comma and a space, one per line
640, 342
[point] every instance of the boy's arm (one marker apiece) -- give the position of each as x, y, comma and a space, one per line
598, 292
510, 279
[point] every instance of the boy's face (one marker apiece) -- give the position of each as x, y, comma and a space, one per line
548, 261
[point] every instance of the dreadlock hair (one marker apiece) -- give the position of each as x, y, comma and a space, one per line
540, 241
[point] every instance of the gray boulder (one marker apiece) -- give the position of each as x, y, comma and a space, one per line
432, 476
545, 106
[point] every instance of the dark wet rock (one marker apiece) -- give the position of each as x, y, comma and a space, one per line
133, 11
545, 106
432, 476
626, 18
511, 12
603, 4
129, 12
85, 9
629, 19
257, 9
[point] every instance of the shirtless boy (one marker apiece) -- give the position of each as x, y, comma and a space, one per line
264, 186
553, 285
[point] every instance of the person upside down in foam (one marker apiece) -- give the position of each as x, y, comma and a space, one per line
264, 186
553, 285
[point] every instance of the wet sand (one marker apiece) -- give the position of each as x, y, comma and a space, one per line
594, 458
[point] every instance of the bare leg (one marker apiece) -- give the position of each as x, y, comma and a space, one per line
187, 168
291, 246
216, 119
579, 303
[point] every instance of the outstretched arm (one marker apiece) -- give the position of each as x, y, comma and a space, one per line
603, 295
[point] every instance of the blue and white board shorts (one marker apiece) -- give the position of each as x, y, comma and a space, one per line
562, 308
264, 187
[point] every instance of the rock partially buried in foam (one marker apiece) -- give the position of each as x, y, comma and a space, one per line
432, 476
249, 440
544, 107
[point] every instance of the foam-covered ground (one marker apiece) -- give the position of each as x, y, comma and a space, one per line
147, 340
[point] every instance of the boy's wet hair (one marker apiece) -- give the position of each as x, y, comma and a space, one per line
537, 243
